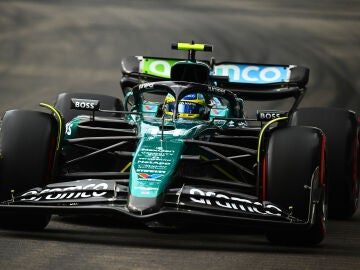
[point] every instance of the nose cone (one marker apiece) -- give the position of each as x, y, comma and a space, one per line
154, 165
142, 206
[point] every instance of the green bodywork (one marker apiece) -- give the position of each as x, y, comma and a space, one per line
71, 126
159, 152
161, 143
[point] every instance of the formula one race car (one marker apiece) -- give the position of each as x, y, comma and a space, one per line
180, 151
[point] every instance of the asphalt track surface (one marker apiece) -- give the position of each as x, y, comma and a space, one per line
48, 47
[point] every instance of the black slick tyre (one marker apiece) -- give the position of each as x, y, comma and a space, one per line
295, 181
340, 128
28, 144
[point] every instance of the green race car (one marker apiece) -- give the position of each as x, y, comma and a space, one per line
180, 151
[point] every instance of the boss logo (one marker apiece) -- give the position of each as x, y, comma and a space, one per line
269, 115
85, 104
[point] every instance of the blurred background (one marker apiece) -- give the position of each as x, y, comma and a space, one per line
53, 46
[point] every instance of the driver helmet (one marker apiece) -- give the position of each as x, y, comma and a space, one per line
191, 106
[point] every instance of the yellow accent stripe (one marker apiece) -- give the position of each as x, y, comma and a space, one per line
52, 108
188, 46
221, 170
262, 133
126, 167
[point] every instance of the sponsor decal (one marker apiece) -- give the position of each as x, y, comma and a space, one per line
258, 74
155, 161
149, 176
269, 115
146, 86
72, 192
153, 166
232, 202
216, 90
157, 67
191, 97
218, 112
146, 190
150, 108
238, 73
85, 104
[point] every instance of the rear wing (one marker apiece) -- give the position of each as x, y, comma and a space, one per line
247, 80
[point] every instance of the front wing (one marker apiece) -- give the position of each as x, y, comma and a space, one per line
187, 205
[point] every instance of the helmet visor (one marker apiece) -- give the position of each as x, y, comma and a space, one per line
189, 108
184, 107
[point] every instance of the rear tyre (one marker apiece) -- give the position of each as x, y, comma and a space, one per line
63, 104
340, 128
295, 181
28, 144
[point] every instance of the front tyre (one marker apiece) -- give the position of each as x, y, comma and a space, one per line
295, 180
341, 130
28, 144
